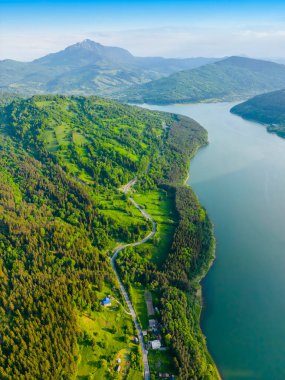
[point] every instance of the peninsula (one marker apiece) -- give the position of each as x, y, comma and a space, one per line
63, 162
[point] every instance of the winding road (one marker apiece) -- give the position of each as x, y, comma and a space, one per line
123, 290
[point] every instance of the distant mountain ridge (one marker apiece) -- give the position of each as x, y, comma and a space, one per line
85, 53
267, 109
228, 79
88, 68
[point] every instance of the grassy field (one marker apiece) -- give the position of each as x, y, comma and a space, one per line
138, 299
160, 361
134, 375
117, 342
115, 206
160, 205
106, 336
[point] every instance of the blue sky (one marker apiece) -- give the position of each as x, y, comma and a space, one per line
29, 29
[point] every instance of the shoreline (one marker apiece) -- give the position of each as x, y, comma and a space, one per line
209, 265
210, 253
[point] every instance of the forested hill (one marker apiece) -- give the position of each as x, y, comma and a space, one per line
268, 109
62, 160
228, 79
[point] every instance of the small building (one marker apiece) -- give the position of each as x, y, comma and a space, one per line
144, 332
136, 340
155, 344
118, 368
119, 360
106, 301
152, 324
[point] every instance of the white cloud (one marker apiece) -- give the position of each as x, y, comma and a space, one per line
183, 41
266, 34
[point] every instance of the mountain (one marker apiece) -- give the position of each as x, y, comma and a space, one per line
62, 163
268, 109
88, 68
228, 79
86, 53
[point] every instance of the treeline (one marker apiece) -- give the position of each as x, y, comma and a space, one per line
190, 255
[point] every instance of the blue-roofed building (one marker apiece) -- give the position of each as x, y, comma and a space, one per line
106, 301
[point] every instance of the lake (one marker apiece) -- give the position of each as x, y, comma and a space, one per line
240, 179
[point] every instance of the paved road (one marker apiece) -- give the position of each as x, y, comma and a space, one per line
123, 290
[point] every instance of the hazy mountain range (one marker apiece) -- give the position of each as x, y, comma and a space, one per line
88, 68
228, 79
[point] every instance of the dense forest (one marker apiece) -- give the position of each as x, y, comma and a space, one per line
268, 109
62, 162
228, 79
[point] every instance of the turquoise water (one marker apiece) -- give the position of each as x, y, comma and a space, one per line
240, 179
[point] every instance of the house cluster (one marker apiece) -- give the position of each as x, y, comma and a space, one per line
155, 341
162, 375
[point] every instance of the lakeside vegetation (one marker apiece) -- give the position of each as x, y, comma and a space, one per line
267, 109
62, 162
171, 268
174, 284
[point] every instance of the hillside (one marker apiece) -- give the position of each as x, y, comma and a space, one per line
62, 160
228, 79
87, 68
268, 109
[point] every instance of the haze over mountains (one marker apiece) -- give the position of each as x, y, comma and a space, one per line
88, 68
228, 79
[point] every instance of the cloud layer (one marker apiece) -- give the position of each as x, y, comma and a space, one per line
165, 41
30, 29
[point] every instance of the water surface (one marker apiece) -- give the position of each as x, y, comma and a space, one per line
240, 179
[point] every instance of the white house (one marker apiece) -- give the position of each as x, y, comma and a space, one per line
155, 344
